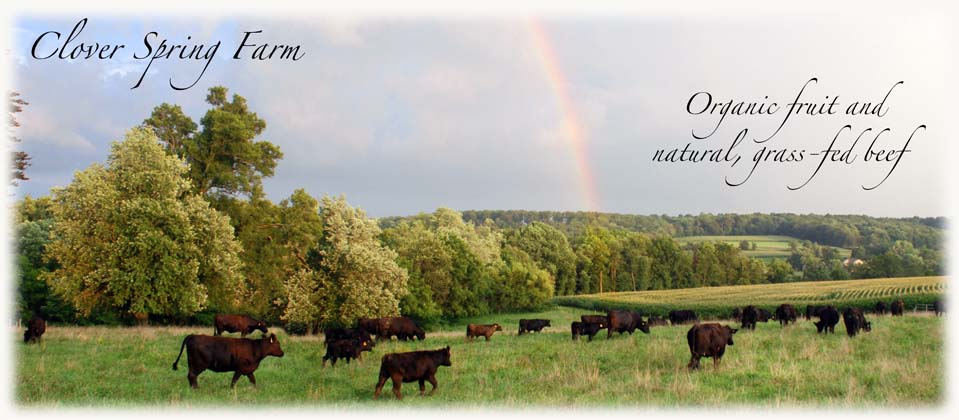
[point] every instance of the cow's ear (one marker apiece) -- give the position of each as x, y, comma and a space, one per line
734, 330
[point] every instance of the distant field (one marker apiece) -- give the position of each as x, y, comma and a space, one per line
719, 301
899, 364
767, 246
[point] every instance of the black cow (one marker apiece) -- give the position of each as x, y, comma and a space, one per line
333, 334
828, 318
708, 340
224, 354
589, 329
36, 326
401, 327
938, 307
624, 321
855, 321
786, 313
595, 319
242, 324
530, 325
346, 349
682, 316
811, 311
656, 321
897, 307
764, 315
750, 315
737, 314
411, 366
881, 308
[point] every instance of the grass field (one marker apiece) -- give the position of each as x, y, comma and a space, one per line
900, 363
720, 301
767, 246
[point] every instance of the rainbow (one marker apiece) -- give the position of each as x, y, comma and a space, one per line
572, 127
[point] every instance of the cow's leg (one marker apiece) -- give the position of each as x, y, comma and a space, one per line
397, 383
432, 379
243, 333
693, 362
191, 377
236, 376
379, 387
716, 360
251, 378
422, 386
488, 336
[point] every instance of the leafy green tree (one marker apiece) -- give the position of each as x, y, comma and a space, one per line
21, 160
133, 237
223, 155
350, 273
550, 249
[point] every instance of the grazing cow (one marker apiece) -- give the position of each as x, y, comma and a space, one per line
625, 321
595, 319
223, 354
655, 321
35, 329
828, 318
737, 314
881, 308
370, 325
402, 327
749, 318
237, 323
938, 307
478, 330
855, 321
708, 340
812, 310
764, 315
411, 366
786, 313
333, 334
530, 325
346, 349
589, 329
897, 307
682, 316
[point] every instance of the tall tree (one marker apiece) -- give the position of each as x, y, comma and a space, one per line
133, 237
21, 160
224, 155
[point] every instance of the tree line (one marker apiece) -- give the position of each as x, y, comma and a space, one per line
175, 227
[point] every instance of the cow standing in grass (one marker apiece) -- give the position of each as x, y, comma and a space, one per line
855, 321
410, 367
708, 340
479, 330
36, 326
589, 329
624, 321
531, 325
242, 324
595, 319
750, 315
786, 313
897, 307
881, 308
828, 318
223, 354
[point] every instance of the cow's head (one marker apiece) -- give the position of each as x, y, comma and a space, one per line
643, 326
547, 324
260, 325
271, 346
445, 360
366, 344
867, 326
497, 327
729, 334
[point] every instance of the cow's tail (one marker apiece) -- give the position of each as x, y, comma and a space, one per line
182, 346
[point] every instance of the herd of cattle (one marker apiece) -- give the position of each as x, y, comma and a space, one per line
242, 356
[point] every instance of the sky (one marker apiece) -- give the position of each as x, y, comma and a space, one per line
407, 115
